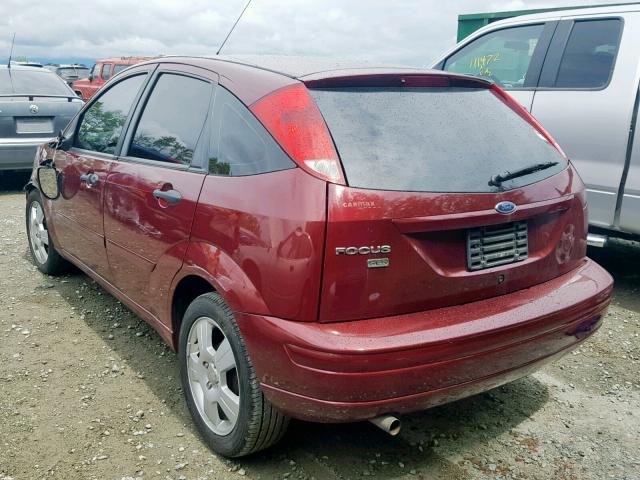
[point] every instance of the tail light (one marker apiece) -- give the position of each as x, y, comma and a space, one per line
524, 113
292, 117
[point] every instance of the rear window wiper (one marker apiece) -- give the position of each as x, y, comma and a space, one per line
496, 180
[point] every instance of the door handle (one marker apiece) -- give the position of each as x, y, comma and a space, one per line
89, 178
170, 196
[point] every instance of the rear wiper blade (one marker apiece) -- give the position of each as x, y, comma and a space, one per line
496, 180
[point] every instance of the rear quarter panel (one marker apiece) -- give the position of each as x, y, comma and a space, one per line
260, 241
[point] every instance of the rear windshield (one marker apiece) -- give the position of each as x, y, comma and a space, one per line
36, 81
431, 139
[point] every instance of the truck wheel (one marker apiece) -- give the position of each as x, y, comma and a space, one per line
220, 384
44, 254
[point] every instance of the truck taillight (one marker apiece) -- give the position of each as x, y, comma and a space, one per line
292, 117
524, 113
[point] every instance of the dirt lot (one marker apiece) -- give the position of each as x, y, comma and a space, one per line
89, 391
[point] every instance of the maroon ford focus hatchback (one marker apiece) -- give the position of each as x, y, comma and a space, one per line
326, 243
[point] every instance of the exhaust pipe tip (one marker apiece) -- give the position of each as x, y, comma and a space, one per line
390, 424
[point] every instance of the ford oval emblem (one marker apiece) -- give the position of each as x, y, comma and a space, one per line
506, 208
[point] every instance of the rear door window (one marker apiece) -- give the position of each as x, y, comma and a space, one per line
590, 54
106, 71
240, 144
172, 120
95, 71
431, 139
502, 56
102, 123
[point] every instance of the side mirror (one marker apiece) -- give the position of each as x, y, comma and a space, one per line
65, 143
54, 142
48, 181
91, 77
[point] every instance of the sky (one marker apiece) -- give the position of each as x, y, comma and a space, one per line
411, 32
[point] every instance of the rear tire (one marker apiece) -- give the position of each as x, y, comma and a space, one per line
43, 251
212, 382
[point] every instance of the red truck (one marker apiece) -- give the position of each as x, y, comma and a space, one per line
102, 71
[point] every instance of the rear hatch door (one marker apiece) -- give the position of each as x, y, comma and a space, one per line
418, 226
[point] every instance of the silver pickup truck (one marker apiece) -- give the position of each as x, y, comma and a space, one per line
577, 71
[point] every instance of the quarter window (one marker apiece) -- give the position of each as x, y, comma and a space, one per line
172, 120
102, 123
502, 56
590, 54
106, 70
240, 144
119, 68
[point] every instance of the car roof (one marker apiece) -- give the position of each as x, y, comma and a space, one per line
250, 77
296, 66
125, 60
556, 14
568, 12
291, 66
30, 68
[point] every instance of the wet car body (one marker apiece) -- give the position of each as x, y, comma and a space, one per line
355, 295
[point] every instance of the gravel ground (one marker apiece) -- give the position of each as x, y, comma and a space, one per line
89, 391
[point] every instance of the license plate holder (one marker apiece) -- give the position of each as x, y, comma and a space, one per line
34, 125
496, 245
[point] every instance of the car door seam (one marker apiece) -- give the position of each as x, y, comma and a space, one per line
627, 160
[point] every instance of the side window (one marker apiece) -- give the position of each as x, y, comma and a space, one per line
118, 68
590, 54
106, 71
502, 56
172, 120
95, 71
240, 145
101, 125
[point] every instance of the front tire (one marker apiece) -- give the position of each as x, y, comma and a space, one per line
43, 252
220, 384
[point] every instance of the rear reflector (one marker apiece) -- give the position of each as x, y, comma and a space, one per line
292, 117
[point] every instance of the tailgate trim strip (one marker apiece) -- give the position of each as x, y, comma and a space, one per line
480, 218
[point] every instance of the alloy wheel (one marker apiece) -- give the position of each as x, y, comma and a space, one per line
38, 234
213, 375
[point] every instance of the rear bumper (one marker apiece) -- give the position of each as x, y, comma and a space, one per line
347, 371
18, 153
